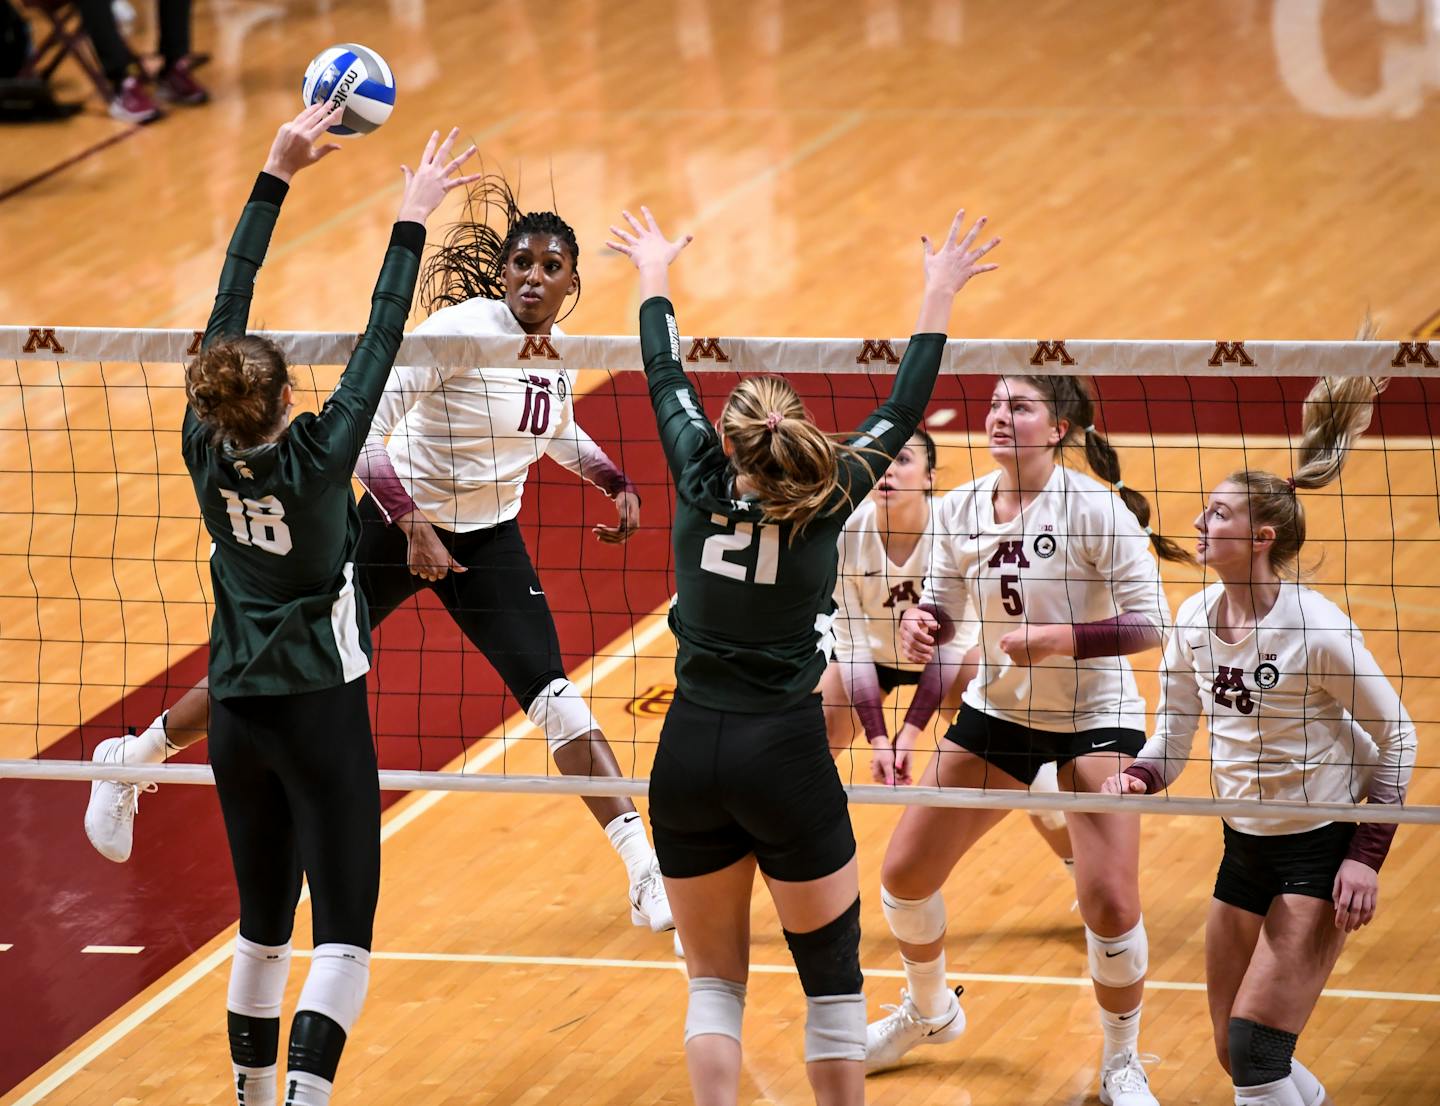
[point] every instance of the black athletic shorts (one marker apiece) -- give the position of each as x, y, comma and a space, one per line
1020, 750
498, 604
726, 785
891, 678
295, 775
1257, 867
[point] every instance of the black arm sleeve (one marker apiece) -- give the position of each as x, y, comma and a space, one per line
684, 430
891, 425
339, 432
243, 257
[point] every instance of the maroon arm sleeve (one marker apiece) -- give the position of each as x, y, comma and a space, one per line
376, 472
928, 694
1116, 637
1153, 781
1371, 843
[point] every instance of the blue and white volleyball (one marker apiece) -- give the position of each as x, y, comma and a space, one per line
357, 78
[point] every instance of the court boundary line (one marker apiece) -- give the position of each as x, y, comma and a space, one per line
74, 159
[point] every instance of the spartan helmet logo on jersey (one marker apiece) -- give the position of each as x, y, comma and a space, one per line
1045, 546
242, 469
1267, 676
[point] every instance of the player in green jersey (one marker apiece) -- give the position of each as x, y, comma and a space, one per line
290, 642
743, 776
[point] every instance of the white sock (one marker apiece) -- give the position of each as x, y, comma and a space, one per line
1122, 1033
1282, 1092
627, 836
925, 980
149, 747
303, 1088
1312, 1091
255, 1086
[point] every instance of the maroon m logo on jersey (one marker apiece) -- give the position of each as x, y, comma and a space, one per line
1009, 553
1231, 681
903, 592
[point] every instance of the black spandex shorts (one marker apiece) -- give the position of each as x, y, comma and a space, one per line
1020, 750
498, 604
891, 678
1257, 867
726, 785
296, 779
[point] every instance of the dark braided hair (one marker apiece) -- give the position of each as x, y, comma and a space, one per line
470, 262
1070, 402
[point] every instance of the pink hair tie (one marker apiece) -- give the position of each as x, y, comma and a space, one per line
772, 420
1290, 483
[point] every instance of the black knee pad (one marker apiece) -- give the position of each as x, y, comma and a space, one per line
254, 1042
1259, 1054
828, 958
316, 1042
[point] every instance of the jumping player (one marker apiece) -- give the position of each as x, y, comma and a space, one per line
742, 775
289, 644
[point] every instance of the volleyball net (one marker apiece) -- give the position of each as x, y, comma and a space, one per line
105, 588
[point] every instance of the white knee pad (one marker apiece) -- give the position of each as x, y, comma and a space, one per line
835, 1028
1047, 782
339, 976
1119, 961
560, 714
257, 979
716, 1006
914, 921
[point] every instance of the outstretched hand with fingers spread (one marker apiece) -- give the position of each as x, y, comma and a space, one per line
425, 186
294, 146
645, 244
948, 268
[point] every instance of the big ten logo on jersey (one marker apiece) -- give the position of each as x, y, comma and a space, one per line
876, 349
903, 592
707, 348
1229, 690
535, 413
1044, 543
653, 702
1010, 553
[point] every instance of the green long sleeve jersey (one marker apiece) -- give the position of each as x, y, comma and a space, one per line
753, 608
281, 516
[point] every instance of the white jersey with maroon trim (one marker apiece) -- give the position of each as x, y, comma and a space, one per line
1074, 554
462, 440
1295, 709
872, 592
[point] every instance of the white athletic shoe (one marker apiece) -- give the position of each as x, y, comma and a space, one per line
649, 905
110, 816
1124, 1082
887, 1040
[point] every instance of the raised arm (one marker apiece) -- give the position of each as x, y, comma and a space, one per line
947, 270
344, 421
684, 430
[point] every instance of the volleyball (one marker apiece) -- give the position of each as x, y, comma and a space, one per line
356, 77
